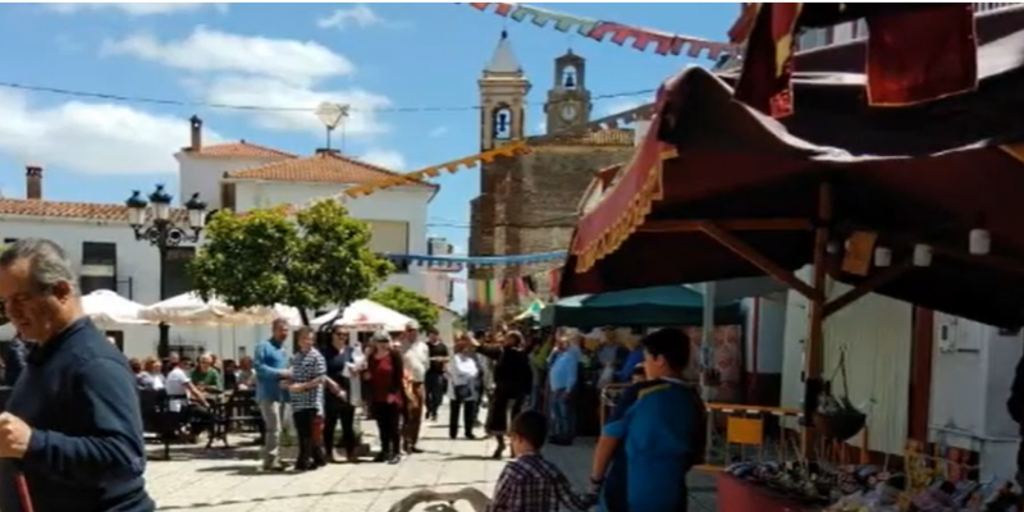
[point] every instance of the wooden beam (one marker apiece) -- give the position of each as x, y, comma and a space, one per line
814, 348
869, 285
682, 226
733, 243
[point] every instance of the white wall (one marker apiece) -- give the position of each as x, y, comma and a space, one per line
404, 204
877, 334
203, 175
972, 370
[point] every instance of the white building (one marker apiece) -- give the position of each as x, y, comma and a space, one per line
239, 176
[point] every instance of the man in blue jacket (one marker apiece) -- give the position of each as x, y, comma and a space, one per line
271, 361
642, 457
73, 428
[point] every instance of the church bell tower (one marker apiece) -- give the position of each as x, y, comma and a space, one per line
503, 90
569, 105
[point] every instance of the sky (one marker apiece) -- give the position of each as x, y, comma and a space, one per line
408, 71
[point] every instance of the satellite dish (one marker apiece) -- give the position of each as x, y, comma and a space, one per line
331, 114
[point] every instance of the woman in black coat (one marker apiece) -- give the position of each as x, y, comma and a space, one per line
513, 380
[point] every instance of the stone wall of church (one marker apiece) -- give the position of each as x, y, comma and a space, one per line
531, 207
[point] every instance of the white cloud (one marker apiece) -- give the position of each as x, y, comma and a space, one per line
260, 71
360, 16
240, 90
95, 138
439, 131
388, 159
136, 9
618, 105
205, 50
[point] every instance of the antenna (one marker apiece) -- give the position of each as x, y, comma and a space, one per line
331, 114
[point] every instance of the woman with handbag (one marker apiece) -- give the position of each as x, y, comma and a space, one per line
464, 374
513, 379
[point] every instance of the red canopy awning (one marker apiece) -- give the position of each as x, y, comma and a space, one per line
730, 162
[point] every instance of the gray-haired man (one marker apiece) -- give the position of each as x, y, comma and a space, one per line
73, 427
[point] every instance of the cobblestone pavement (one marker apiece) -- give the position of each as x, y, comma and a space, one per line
229, 480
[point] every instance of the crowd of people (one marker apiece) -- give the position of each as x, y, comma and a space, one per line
75, 412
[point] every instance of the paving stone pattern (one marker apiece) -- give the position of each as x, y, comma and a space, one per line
230, 480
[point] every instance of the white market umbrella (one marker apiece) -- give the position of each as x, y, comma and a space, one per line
107, 307
367, 315
190, 309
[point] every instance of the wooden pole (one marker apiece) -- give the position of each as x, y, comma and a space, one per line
816, 305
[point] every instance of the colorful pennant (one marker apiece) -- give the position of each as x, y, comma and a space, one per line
507, 151
664, 43
459, 262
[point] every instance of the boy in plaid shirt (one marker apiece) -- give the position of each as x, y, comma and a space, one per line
531, 483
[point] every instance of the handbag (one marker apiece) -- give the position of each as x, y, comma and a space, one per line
463, 392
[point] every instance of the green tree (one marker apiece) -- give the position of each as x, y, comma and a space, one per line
408, 303
318, 259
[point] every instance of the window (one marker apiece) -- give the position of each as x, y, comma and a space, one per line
176, 280
99, 267
812, 38
860, 29
842, 33
390, 237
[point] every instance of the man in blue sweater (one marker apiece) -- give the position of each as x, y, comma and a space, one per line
644, 454
271, 361
73, 429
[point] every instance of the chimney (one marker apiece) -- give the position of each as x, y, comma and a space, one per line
33, 182
197, 133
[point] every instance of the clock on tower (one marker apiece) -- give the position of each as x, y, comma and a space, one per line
568, 104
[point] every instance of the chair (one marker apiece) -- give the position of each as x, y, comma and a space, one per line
159, 419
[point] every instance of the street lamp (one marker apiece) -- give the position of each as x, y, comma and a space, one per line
152, 221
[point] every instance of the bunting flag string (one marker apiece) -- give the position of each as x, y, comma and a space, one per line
493, 292
456, 263
513, 149
510, 150
664, 43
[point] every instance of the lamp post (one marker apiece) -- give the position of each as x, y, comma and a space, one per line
152, 221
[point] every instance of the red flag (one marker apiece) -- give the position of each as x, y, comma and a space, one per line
921, 54
765, 81
554, 280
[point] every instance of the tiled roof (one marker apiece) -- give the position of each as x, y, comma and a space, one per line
324, 167
73, 210
610, 137
239, 149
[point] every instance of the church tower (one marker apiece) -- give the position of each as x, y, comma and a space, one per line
568, 104
503, 89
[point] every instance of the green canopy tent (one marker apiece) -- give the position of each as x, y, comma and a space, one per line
645, 307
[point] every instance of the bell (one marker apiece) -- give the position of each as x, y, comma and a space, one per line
570, 82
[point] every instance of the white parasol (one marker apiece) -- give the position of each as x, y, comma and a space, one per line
190, 309
107, 307
367, 315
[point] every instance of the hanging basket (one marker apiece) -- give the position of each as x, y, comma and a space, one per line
836, 418
840, 425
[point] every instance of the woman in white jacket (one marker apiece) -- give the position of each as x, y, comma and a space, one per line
464, 377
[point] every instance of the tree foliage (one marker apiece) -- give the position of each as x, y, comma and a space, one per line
319, 259
408, 303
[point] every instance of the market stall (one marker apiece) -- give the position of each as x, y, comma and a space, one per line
931, 222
